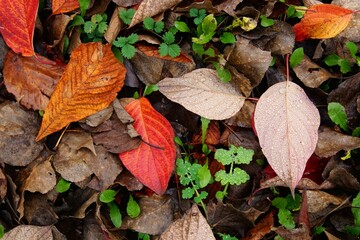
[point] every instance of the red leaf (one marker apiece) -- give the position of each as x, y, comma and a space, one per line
153, 161
322, 21
63, 6
17, 24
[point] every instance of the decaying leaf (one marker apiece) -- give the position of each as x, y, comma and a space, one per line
319, 200
322, 21
17, 131
261, 229
287, 123
89, 84
33, 233
156, 215
327, 147
63, 6
17, 24
114, 27
30, 80
192, 225
153, 161
149, 8
38, 210
3, 185
202, 92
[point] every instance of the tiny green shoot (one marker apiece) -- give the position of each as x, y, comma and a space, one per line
286, 206
62, 186
296, 57
126, 45
266, 22
149, 89
337, 114
143, 236
133, 208
127, 15
84, 4
197, 14
107, 196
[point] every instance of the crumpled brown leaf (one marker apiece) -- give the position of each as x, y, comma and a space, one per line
34, 233
114, 27
149, 8
192, 225
39, 210
3, 185
326, 146
156, 215
18, 129
31, 81
352, 31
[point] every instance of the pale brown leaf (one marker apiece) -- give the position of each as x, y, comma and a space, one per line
32, 232
319, 200
287, 125
202, 92
114, 27
192, 225
3, 185
41, 179
149, 8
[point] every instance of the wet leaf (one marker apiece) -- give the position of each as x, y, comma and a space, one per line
287, 125
31, 81
322, 21
153, 161
89, 84
19, 31
319, 200
63, 6
192, 225
202, 92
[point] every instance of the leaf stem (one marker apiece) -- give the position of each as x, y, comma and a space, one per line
201, 201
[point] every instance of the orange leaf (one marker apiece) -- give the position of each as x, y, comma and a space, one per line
89, 84
63, 6
17, 24
153, 51
31, 80
153, 161
322, 21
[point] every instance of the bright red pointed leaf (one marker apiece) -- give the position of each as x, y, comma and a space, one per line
287, 123
322, 21
17, 24
63, 6
153, 161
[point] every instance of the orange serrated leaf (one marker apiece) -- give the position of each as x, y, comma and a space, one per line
89, 84
153, 51
153, 161
17, 24
322, 21
63, 6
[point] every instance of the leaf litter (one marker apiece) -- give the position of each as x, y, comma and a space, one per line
103, 130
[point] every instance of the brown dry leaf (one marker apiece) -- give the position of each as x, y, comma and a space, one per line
30, 79
161, 67
206, 4
126, 179
212, 136
89, 84
126, 3
149, 8
249, 60
327, 147
319, 200
39, 210
63, 6
229, 6
17, 131
99, 117
156, 215
262, 228
33, 233
300, 233
202, 92
243, 118
56, 27
115, 25
3, 185
81, 211
73, 152
41, 179
311, 74
352, 32
192, 225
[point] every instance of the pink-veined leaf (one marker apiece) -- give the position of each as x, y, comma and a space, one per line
287, 123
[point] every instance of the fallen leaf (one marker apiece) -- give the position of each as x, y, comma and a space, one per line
155, 217
56, 29
3, 185
63, 6
212, 136
319, 200
126, 179
18, 32
126, 3
89, 84
115, 25
244, 116
192, 225
41, 178
327, 147
322, 21
287, 123
98, 118
249, 60
262, 228
311, 74
352, 31
153, 161
149, 8
17, 131
229, 7
38, 210
33, 233
30, 80
161, 67
300, 233
202, 92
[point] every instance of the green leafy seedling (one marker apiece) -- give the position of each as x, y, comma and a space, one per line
2, 231
182, 26
133, 208
355, 229
126, 45
108, 197
226, 237
227, 38
197, 14
168, 47
296, 57
84, 4
334, 60
150, 24
150, 89
293, 12
143, 236
223, 73
126, 15
286, 206
266, 22
236, 176
96, 27
206, 30
337, 114
62, 186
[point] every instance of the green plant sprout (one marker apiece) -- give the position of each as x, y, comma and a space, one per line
62, 186
235, 176
197, 14
226, 236
296, 57
266, 22
126, 45
295, 12
2, 231
133, 208
84, 4
204, 126
345, 66
149, 89
355, 229
143, 236
150, 24
108, 197
169, 47
245, 23
126, 15
286, 206
96, 27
